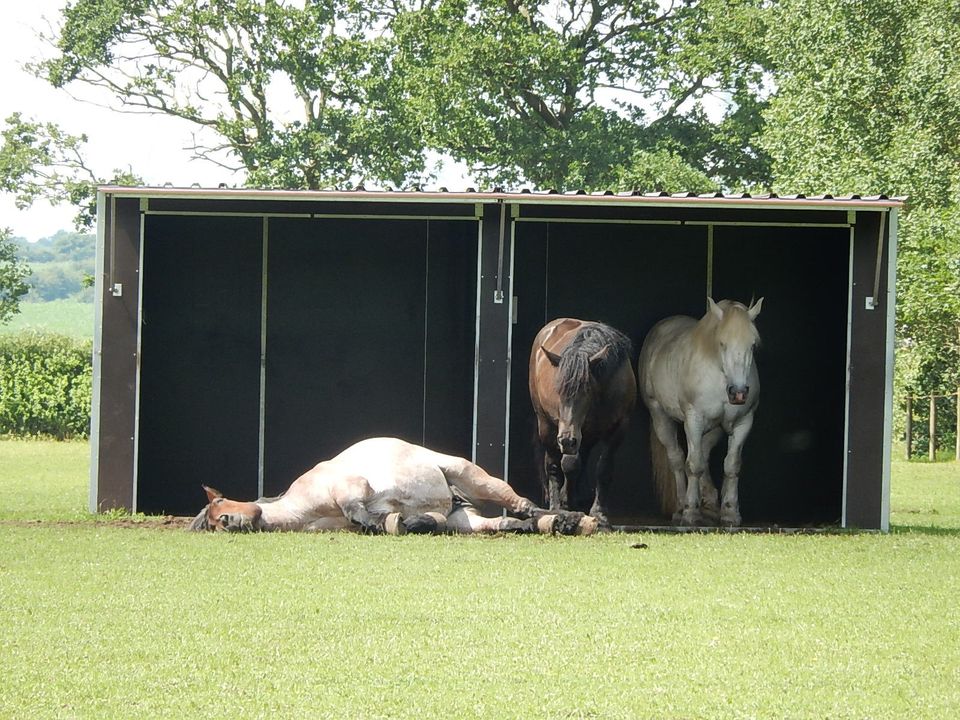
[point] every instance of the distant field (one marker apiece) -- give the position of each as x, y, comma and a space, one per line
66, 317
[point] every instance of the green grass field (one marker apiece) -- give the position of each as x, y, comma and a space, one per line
105, 620
65, 317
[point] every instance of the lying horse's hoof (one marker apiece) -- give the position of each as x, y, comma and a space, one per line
393, 526
567, 523
425, 524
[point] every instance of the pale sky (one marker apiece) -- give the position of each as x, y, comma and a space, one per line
151, 145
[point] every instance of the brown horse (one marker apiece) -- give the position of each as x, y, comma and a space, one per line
583, 390
389, 485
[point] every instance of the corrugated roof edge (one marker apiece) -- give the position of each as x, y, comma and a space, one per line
525, 195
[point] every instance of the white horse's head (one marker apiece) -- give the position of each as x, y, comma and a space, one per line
736, 338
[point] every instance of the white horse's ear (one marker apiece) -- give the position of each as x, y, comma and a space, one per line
714, 308
551, 356
212, 493
755, 309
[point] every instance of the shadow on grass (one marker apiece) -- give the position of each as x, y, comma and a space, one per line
924, 530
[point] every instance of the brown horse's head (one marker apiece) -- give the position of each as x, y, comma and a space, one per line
577, 388
230, 515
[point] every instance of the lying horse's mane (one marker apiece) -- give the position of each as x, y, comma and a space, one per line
200, 521
573, 372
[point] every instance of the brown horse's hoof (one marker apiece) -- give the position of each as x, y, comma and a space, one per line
570, 464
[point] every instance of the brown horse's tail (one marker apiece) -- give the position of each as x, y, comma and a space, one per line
664, 483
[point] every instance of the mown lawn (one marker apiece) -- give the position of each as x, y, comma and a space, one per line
107, 621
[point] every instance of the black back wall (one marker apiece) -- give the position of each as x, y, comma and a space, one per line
631, 276
369, 330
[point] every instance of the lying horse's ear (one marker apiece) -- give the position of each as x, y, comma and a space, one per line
755, 309
212, 494
551, 356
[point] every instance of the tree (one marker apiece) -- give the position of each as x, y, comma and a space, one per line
40, 160
13, 275
299, 97
571, 94
868, 101
335, 92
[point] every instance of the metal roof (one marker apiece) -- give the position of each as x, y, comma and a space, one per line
635, 197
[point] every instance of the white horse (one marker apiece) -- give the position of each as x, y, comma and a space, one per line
700, 374
389, 485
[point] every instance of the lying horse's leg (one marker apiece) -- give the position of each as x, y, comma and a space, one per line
351, 495
479, 487
730, 495
466, 520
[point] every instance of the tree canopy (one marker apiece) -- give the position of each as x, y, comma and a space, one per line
577, 93
868, 100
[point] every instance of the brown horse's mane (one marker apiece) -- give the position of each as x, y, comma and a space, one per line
574, 370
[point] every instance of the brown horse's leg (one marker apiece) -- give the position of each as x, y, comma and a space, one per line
557, 486
604, 471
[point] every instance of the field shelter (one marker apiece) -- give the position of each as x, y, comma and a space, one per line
243, 335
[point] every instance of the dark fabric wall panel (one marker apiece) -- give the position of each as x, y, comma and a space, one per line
345, 327
200, 363
793, 460
451, 337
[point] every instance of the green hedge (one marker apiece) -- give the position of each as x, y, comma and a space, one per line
45, 385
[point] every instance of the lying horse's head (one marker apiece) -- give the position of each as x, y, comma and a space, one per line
223, 514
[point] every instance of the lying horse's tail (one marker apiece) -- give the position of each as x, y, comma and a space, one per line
664, 483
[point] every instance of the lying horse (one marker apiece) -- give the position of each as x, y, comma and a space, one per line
700, 374
389, 485
583, 390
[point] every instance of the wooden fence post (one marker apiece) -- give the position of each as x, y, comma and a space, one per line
932, 450
909, 433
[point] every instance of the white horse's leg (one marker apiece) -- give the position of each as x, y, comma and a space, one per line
730, 492
666, 431
696, 465
709, 501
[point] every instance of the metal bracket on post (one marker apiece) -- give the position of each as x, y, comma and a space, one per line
873, 301
498, 293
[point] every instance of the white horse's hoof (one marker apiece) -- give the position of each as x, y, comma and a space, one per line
730, 520
690, 518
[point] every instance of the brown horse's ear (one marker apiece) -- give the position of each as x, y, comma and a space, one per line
755, 309
212, 494
599, 356
551, 356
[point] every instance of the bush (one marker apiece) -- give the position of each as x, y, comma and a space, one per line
45, 385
